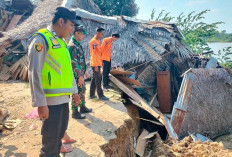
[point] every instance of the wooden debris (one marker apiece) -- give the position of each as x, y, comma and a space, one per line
164, 91
137, 99
4, 74
141, 144
128, 80
13, 23
120, 72
20, 68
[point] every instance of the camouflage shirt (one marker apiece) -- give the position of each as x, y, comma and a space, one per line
78, 58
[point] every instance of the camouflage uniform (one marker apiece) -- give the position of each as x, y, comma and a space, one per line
79, 68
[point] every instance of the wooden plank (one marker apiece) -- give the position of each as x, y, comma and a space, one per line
164, 91
154, 102
141, 143
2, 50
139, 101
14, 21
135, 86
128, 80
120, 72
12, 49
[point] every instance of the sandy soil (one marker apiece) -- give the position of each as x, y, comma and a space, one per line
97, 129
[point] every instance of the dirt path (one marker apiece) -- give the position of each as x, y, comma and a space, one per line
97, 129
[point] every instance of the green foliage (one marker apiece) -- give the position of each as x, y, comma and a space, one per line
118, 7
221, 37
195, 31
225, 57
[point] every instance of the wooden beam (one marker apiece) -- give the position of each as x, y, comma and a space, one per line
138, 100
135, 86
128, 80
120, 72
14, 21
12, 49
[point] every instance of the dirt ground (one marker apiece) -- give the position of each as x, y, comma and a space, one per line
96, 130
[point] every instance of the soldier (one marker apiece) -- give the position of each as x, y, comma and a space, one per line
106, 57
79, 67
51, 79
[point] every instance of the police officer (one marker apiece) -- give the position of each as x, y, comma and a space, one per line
96, 64
51, 79
79, 68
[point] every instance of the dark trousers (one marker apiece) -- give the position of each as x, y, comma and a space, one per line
96, 83
53, 130
106, 71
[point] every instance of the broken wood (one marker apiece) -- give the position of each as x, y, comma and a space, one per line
14, 21
128, 80
120, 72
151, 121
8, 52
135, 86
141, 144
139, 101
4, 74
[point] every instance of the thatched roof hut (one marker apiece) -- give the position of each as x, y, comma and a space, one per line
140, 40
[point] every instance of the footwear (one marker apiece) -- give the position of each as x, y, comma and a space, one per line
84, 109
77, 115
103, 98
92, 97
105, 89
68, 141
65, 149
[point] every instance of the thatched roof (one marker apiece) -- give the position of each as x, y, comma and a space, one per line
86, 5
140, 40
209, 109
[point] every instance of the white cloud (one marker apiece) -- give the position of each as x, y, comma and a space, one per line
196, 2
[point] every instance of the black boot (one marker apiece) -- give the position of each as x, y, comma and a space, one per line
84, 109
77, 115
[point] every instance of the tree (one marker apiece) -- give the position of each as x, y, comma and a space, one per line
118, 7
195, 31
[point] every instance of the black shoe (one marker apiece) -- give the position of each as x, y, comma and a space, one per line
84, 109
92, 97
103, 98
77, 115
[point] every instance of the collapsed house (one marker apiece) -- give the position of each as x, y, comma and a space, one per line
153, 57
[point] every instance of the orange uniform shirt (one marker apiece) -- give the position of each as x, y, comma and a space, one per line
106, 49
95, 52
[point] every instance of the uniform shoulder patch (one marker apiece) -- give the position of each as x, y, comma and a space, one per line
38, 47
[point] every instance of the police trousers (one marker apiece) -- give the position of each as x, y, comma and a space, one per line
53, 130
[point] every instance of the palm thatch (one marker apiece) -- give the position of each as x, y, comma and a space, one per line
209, 108
140, 40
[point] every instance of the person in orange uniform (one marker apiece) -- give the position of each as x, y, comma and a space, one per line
96, 64
106, 57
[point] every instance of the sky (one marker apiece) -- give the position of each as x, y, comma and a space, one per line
221, 10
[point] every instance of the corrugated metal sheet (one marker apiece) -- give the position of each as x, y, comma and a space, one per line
180, 106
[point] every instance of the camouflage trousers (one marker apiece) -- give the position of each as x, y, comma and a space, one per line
81, 92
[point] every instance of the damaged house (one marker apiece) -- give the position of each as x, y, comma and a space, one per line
181, 90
